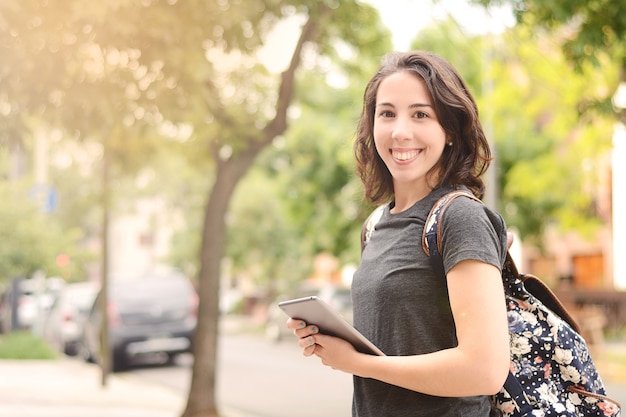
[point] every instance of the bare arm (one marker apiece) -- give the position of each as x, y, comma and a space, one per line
477, 366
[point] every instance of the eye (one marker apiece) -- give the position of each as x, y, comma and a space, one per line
386, 113
420, 115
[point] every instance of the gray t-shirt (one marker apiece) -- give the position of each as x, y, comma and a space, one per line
403, 307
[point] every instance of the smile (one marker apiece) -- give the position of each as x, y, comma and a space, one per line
404, 155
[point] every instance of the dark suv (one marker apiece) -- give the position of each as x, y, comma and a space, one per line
155, 313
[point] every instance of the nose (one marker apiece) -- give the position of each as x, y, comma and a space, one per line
401, 129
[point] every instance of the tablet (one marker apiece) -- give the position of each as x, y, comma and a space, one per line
314, 310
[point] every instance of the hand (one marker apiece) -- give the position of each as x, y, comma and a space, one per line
333, 351
304, 332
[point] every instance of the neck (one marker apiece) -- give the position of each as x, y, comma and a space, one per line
404, 201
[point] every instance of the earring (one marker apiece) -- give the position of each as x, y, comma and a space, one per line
449, 143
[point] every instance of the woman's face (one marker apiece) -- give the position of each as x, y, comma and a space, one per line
407, 133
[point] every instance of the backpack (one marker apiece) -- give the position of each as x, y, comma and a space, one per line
552, 373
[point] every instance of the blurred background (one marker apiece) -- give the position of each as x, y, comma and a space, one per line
208, 144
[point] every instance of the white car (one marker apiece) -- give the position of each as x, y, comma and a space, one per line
26, 302
63, 326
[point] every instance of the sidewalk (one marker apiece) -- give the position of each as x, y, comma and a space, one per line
71, 388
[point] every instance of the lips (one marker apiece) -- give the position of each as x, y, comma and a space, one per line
404, 155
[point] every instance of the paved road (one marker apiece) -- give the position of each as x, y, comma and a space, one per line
263, 379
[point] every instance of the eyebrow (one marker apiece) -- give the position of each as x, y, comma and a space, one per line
412, 106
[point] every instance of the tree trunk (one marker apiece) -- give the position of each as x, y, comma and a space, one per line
202, 401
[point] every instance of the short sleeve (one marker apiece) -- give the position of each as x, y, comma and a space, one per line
472, 231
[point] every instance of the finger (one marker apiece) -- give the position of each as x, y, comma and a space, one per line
306, 342
309, 350
306, 331
295, 324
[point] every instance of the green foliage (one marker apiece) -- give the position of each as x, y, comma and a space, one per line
303, 187
301, 197
131, 76
148, 79
547, 152
595, 31
356, 35
264, 245
36, 238
548, 122
182, 66
464, 51
293, 204
182, 186
24, 345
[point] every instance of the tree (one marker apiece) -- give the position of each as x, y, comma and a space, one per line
247, 139
529, 98
597, 31
137, 76
592, 36
36, 239
547, 152
315, 166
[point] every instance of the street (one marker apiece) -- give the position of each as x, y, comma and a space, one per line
259, 378
262, 379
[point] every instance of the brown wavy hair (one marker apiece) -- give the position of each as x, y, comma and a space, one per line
460, 164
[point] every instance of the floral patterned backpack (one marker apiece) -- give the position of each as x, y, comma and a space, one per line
552, 373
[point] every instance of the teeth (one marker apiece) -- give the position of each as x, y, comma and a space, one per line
404, 156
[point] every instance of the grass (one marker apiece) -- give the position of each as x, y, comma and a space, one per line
24, 345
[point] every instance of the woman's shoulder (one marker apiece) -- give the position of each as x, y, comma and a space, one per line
469, 210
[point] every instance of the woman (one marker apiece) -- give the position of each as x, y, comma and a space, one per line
446, 338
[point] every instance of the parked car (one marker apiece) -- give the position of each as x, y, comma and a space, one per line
338, 297
63, 326
25, 303
155, 313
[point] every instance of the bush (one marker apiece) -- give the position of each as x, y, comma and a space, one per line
24, 345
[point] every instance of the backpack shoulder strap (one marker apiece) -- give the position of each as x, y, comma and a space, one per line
431, 243
431, 236
370, 224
